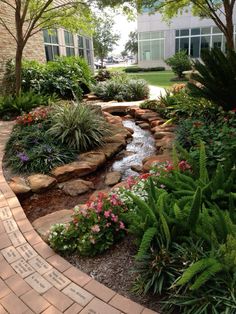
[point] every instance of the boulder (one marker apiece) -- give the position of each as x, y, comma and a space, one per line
116, 139
122, 184
93, 157
136, 168
76, 187
165, 143
41, 182
144, 126
112, 178
19, 185
43, 224
73, 170
149, 115
155, 159
111, 149
161, 135
157, 122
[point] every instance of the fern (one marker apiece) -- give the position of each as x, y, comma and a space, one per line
146, 242
203, 174
195, 208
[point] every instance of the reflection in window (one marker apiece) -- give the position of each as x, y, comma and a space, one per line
217, 41
69, 42
51, 44
184, 44
195, 47
81, 46
205, 42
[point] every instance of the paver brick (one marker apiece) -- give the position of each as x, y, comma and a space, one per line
13, 305
35, 302
26, 251
32, 237
5, 212
147, 311
77, 276
57, 279
18, 213
74, 309
43, 249
2, 229
78, 294
59, 262
99, 290
38, 283
39, 264
17, 285
4, 241
22, 268
11, 254
97, 306
13, 202
16, 238
2, 310
52, 310
58, 299
6, 270
24, 225
10, 225
125, 305
4, 290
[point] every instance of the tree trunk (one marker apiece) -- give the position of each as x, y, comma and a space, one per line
229, 34
18, 68
102, 61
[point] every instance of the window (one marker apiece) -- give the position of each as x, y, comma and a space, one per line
205, 42
195, 47
176, 45
51, 44
184, 32
151, 46
205, 30
195, 31
88, 50
184, 44
69, 43
217, 41
80, 46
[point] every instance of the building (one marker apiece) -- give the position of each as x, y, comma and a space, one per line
158, 40
44, 45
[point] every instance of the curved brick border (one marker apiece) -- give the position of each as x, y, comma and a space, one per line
33, 278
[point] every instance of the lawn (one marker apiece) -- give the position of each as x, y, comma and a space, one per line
159, 78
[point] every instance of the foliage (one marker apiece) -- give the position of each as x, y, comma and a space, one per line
30, 149
122, 89
95, 227
134, 69
131, 45
67, 77
104, 37
179, 62
37, 115
78, 126
103, 75
216, 78
11, 106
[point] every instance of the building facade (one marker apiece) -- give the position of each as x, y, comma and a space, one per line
159, 40
43, 46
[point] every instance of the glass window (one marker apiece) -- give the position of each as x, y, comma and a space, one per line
216, 30
157, 49
155, 35
69, 39
51, 52
205, 42
206, 30
217, 41
195, 31
176, 45
184, 44
145, 35
50, 36
87, 43
81, 46
177, 33
51, 44
70, 51
195, 47
145, 50
184, 32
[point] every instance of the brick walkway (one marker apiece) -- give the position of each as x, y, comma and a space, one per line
34, 279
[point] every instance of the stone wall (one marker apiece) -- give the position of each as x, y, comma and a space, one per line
34, 49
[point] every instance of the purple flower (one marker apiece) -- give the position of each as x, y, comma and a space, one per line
23, 157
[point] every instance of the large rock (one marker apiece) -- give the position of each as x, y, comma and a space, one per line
117, 138
112, 178
153, 160
144, 126
136, 168
19, 185
157, 122
149, 115
73, 170
111, 149
76, 187
165, 143
43, 224
161, 135
93, 157
41, 182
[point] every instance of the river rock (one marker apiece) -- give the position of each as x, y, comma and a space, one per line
76, 187
136, 168
138, 122
41, 182
161, 135
144, 126
73, 170
19, 185
130, 130
155, 159
43, 224
93, 157
165, 143
149, 115
112, 178
111, 149
117, 138
157, 123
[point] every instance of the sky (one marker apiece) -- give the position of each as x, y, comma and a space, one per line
124, 27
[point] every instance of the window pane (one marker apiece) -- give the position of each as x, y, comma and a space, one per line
177, 32
195, 31
145, 35
145, 53
48, 52
184, 32
184, 44
54, 37
176, 45
195, 47
89, 57
217, 41
155, 35
69, 41
56, 52
80, 42
157, 50
87, 43
81, 53
46, 36
205, 30
216, 30
70, 51
205, 42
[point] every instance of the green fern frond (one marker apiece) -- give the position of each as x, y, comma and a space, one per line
203, 174
146, 242
195, 208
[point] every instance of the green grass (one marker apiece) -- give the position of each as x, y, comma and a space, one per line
159, 78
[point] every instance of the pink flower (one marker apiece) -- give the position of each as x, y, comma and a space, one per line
169, 166
108, 224
114, 200
95, 228
122, 226
107, 213
92, 240
99, 206
114, 218
144, 176
130, 181
184, 165
83, 212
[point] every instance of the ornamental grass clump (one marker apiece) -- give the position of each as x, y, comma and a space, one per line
78, 126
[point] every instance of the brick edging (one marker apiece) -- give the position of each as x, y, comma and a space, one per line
33, 278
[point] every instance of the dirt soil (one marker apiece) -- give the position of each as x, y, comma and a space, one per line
114, 270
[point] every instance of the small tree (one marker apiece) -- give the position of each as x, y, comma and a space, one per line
132, 44
104, 37
179, 62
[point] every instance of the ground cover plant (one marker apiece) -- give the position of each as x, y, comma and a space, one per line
51, 136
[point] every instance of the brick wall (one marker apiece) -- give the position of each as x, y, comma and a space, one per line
34, 49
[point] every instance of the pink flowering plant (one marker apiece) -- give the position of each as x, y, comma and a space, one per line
95, 227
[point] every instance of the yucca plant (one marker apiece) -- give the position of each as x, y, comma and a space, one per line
216, 78
80, 127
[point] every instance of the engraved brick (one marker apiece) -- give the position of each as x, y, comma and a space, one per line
5, 213
22, 268
78, 294
79, 277
26, 251
10, 225
10, 254
16, 238
39, 264
38, 283
18, 213
57, 279
99, 290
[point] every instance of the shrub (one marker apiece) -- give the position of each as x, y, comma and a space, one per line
133, 69
30, 149
179, 62
136, 90
11, 106
94, 228
78, 126
216, 78
103, 75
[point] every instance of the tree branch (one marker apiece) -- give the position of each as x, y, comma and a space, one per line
2, 22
